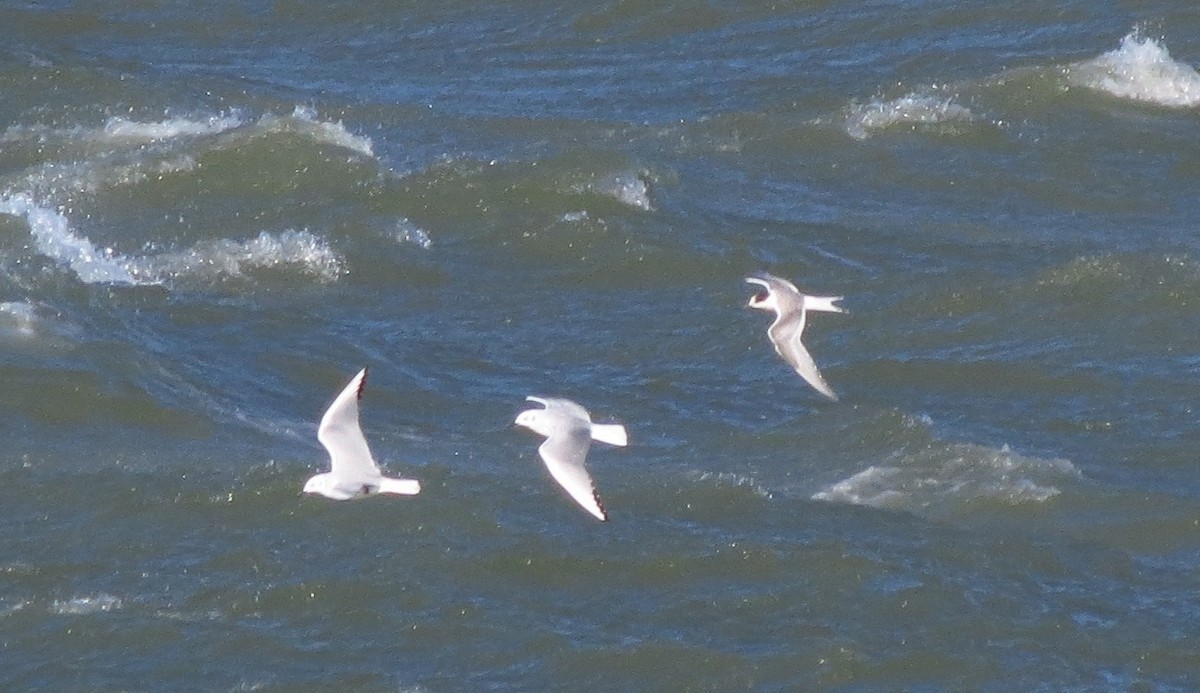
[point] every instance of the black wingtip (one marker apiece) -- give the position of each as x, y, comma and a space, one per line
362, 384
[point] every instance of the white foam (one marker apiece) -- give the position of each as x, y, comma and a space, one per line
126, 152
17, 318
54, 238
408, 232
77, 606
864, 120
1141, 70
228, 258
629, 188
304, 120
939, 478
126, 130
731, 479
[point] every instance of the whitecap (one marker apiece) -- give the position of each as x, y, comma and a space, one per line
125, 130
730, 479
864, 120
940, 478
629, 188
228, 258
53, 237
17, 318
408, 232
77, 606
304, 120
1140, 70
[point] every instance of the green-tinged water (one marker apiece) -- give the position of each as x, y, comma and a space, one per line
212, 217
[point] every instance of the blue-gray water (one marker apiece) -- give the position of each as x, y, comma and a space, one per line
211, 216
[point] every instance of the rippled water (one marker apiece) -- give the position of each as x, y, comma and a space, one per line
210, 218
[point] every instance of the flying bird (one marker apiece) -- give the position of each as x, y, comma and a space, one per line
569, 432
791, 308
353, 472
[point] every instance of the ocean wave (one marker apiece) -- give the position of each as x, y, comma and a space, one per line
1141, 69
729, 480
224, 258
124, 132
17, 318
302, 251
305, 121
122, 129
407, 232
79, 606
628, 188
940, 478
53, 237
864, 120
124, 152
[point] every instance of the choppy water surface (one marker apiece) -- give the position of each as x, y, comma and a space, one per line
210, 218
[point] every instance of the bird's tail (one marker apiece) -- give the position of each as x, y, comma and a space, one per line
823, 303
613, 434
404, 487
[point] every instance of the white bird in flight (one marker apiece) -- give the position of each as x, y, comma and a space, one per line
791, 306
353, 472
569, 433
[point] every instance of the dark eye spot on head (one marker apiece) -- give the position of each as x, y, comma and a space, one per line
761, 296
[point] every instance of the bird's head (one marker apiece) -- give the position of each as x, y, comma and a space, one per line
319, 484
534, 420
765, 298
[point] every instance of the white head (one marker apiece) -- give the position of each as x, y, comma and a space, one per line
321, 484
536, 420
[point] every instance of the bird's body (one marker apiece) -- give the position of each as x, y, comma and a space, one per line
569, 432
353, 472
791, 308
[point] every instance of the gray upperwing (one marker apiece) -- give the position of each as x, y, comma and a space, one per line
785, 335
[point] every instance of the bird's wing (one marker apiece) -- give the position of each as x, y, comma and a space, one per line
564, 453
564, 407
785, 335
339, 432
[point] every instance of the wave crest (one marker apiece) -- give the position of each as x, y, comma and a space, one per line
939, 479
864, 120
1141, 69
226, 258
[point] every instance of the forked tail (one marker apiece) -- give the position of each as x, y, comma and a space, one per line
823, 303
613, 434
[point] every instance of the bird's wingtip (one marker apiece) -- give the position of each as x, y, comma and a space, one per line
362, 382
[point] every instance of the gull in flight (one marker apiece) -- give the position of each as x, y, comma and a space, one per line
569, 433
353, 472
791, 309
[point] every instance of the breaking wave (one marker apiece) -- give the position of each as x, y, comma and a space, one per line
864, 120
53, 237
940, 478
82, 160
119, 128
225, 258
1141, 69
303, 251
81, 606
